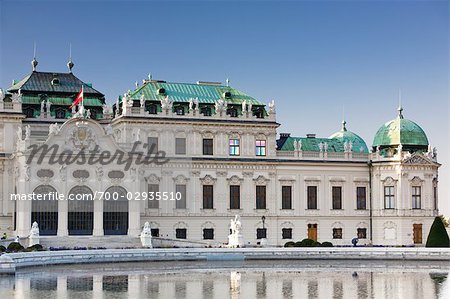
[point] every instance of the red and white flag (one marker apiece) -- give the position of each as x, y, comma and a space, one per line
78, 99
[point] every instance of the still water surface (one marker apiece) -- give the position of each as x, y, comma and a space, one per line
257, 279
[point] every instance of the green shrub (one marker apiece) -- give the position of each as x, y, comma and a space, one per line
308, 243
15, 247
298, 244
316, 244
327, 244
438, 236
36, 247
2, 248
289, 244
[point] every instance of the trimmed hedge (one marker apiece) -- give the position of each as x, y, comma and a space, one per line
438, 236
2, 248
308, 243
327, 244
15, 247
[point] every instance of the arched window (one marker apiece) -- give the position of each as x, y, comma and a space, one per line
45, 210
115, 211
152, 108
206, 111
29, 112
179, 110
232, 112
60, 113
81, 211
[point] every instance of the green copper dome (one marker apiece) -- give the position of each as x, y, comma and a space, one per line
400, 131
358, 144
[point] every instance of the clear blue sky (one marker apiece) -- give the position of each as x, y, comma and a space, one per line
312, 57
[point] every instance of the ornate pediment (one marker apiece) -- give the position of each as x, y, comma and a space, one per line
208, 180
418, 159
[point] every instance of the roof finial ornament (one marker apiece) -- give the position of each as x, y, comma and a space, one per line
150, 76
343, 119
228, 82
34, 62
400, 108
70, 63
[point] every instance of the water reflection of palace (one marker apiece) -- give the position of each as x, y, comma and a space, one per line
229, 284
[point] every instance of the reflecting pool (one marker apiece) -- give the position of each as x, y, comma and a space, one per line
244, 279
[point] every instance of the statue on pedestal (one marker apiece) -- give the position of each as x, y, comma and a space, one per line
34, 234
235, 239
146, 236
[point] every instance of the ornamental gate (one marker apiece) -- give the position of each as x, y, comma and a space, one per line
81, 211
115, 211
45, 212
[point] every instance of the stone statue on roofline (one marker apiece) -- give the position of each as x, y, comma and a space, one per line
142, 101
166, 105
27, 132
221, 106
2, 95
48, 105
295, 145
191, 104
244, 106
272, 109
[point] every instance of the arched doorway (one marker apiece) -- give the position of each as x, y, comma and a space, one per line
115, 211
81, 211
45, 210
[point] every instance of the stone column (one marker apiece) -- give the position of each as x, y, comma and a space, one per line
63, 215
134, 213
98, 217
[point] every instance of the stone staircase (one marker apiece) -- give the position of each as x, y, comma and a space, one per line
90, 241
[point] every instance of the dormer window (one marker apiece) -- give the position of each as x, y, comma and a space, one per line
232, 112
206, 111
55, 81
179, 110
153, 109
227, 95
161, 91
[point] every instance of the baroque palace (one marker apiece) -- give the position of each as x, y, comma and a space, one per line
223, 159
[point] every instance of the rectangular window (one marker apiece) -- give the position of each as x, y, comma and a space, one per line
180, 189
286, 197
234, 147
362, 233
261, 197
261, 233
312, 197
208, 234
208, 147
337, 233
208, 197
155, 232
181, 233
416, 197
152, 202
361, 198
180, 146
260, 147
337, 197
286, 233
389, 197
152, 147
235, 197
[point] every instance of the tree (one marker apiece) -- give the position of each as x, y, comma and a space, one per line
438, 236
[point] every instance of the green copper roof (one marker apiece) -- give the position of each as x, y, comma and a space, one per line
184, 92
357, 142
400, 131
312, 145
42, 82
64, 101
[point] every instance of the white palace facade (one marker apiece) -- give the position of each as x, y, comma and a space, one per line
223, 159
